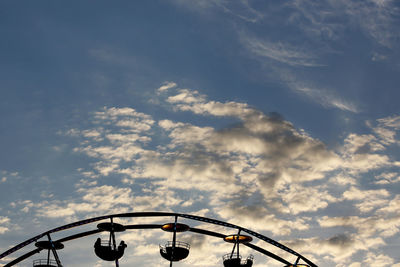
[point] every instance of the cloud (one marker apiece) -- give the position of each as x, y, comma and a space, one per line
166, 86
259, 172
378, 260
368, 199
386, 129
261, 155
362, 153
326, 98
242, 10
329, 18
338, 249
280, 52
387, 178
4, 222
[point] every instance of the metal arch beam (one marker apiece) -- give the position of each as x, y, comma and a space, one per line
83, 234
157, 214
23, 257
57, 229
143, 226
267, 253
206, 232
80, 235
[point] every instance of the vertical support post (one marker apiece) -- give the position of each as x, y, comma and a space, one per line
112, 240
236, 238
48, 257
173, 241
53, 249
237, 241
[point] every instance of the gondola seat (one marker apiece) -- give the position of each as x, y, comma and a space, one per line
106, 252
180, 251
234, 261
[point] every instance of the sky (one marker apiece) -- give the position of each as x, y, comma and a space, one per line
279, 116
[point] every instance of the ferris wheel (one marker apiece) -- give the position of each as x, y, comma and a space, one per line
172, 251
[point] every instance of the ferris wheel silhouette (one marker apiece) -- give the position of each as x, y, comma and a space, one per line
172, 251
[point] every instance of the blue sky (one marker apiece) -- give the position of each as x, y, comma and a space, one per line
281, 117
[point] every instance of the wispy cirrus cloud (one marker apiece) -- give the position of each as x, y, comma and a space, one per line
242, 10
326, 98
377, 19
280, 52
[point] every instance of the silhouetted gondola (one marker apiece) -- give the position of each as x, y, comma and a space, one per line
106, 252
234, 259
107, 249
50, 246
177, 253
175, 250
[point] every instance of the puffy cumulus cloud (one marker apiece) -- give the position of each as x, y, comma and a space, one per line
367, 199
269, 136
126, 118
186, 134
386, 129
361, 144
298, 198
337, 249
166, 86
362, 153
261, 219
93, 200
192, 100
378, 260
8, 176
372, 227
387, 178
4, 222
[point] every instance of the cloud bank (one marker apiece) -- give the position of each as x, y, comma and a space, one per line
260, 172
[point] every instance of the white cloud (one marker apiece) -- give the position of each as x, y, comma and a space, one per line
378, 260
280, 52
242, 10
327, 18
386, 129
4, 222
166, 86
368, 199
326, 98
300, 199
387, 178
95, 200
391, 122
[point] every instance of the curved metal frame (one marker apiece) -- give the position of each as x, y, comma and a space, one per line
155, 226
